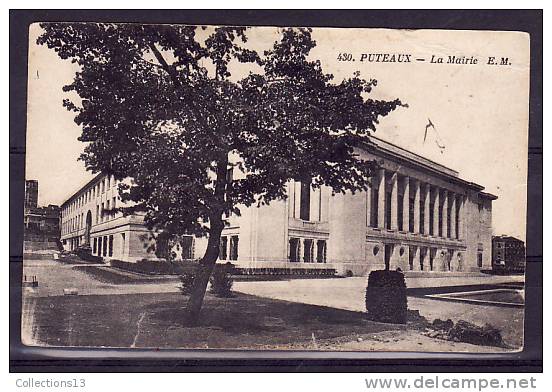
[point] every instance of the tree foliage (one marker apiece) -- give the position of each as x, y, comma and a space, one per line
159, 104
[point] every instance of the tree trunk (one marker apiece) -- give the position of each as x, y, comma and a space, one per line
202, 279
209, 260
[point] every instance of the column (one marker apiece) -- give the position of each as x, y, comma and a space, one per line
381, 199
453, 216
301, 250
417, 207
406, 204
436, 213
445, 214
394, 202
427, 195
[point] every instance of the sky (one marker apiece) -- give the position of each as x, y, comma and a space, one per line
479, 111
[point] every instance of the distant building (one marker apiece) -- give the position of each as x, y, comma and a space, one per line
39, 219
89, 218
31, 194
43, 219
41, 231
508, 254
418, 215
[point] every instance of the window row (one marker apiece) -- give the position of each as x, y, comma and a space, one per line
104, 212
103, 246
307, 250
99, 188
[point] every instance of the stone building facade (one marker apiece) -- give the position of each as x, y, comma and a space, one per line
89, 218
417, 216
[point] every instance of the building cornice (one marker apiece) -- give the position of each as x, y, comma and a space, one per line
399, 154
81, 189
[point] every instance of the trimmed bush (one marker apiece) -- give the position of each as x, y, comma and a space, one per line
386, 297
85, 253
155, 267
221, 280
187, 281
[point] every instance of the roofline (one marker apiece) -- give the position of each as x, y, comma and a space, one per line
469, 184
506, 236
74, 194
413, 153
488, 195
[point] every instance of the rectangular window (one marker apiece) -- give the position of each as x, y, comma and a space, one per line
99, 246
104, 246
374, 207
441, 208
400, 208
108, 209
223, 248
411, 254
114, 202
308, 250
102, 213
431, 217
123, 244
321, 251
422, 216
304, 212
94, 247
388, 210
294, 250
110, 246
411, 215
234, 247
448, 222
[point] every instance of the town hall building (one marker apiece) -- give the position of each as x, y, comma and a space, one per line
417, 216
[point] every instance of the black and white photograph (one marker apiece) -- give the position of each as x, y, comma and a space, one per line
219, 187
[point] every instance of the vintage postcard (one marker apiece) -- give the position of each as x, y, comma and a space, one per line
264, 188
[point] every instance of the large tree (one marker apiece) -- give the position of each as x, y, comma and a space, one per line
158, 103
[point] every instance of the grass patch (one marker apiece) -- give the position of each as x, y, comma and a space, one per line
498, 296
159, 320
